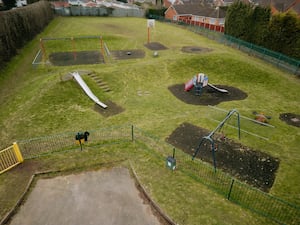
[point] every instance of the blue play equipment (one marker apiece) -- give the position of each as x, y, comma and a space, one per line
198, 82
210, 138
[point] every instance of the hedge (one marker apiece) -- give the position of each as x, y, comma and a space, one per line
20, 25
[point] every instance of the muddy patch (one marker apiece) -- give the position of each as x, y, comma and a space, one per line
248, 165
76, 58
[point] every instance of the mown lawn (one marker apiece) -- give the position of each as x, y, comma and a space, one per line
35, 102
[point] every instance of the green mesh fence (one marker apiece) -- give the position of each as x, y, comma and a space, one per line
273, 208
36, 147
277, 59
260, 202
265, 204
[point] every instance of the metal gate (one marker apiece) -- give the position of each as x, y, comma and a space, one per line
10, 157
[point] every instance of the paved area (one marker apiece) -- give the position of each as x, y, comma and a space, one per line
107, 197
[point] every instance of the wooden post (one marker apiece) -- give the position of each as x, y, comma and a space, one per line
43, 49
18, 152
74, 48
148, 35
102, 48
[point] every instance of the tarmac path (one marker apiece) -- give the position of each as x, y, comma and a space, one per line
107, 197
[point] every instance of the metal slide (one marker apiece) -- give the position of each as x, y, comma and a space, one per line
218, 89
87, 90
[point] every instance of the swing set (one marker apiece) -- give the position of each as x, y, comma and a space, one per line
210, 137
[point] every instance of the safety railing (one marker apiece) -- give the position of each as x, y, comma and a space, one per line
10, 157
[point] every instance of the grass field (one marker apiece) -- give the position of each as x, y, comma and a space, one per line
35, 102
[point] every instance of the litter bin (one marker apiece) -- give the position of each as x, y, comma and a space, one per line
171, 163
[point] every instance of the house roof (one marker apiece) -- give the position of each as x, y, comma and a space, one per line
276, 5
280, 5
199, 10
59, 4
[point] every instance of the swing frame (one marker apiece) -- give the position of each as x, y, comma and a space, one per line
209, 137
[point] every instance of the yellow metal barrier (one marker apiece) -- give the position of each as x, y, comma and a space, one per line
10, 157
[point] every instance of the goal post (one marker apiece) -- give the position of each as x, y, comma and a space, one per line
72, 44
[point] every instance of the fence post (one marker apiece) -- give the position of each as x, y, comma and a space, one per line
230, 189
132, 135
18, 152
297, 68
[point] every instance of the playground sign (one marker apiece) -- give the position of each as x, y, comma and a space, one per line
150, 24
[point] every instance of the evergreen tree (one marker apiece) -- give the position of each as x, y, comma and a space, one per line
284, 34
259, 23
8, 4
237, 20
256, 25
124, 1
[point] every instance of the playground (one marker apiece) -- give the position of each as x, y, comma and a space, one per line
149, 93
248, 165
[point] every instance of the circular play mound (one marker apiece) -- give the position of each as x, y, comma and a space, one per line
290, 119
208, 96
155, 46
195, 49
76, 58
251, 166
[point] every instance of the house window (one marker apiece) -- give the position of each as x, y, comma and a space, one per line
175, 18
221, 21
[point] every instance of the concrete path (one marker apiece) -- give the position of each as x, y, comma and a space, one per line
104, 197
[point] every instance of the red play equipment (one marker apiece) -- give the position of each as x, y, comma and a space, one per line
200, 81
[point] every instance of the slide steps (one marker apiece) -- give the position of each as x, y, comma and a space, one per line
102, 84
